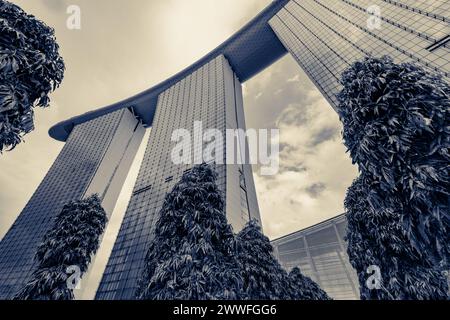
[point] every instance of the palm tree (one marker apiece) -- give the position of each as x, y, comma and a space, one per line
30, 68
72, 241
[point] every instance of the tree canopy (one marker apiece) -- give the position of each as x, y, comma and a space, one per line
264, 277
396, 127
30, 68
302, 287
191, 256
195, 255
72, 241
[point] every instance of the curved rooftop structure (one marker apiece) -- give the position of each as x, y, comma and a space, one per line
250, 50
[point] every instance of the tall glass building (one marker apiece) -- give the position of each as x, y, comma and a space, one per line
323, 36
211, 94
321, 253
95, 159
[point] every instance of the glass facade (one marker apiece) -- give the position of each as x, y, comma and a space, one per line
93, 160
320, 253
325, 37
211, 94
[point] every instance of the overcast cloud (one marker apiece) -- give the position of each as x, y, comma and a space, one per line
125, 47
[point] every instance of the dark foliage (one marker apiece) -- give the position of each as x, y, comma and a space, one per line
302, 287
372, 241
191, 255
30, 68
195, 256
72, 241
396, 127
264, 278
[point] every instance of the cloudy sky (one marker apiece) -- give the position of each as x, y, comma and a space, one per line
124, 47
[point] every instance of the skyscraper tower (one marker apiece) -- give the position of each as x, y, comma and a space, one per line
95, 159
211, 94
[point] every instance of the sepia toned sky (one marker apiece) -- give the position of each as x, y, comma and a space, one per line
126, 46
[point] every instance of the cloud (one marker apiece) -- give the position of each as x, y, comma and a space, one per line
277, 94
315, 189
295, 78
279, 91
324, 134
292, 115
298, 168
315, 170
55, 4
